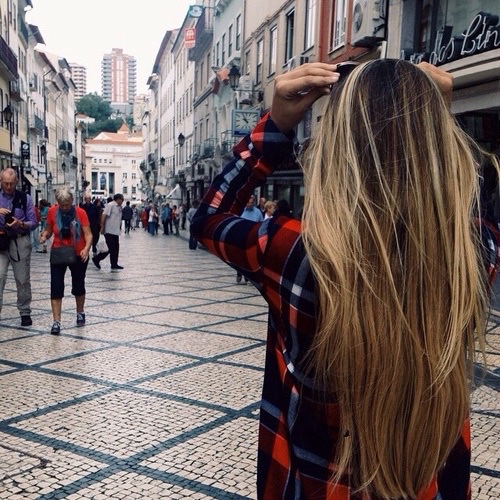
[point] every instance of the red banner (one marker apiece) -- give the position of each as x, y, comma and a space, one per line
189, 38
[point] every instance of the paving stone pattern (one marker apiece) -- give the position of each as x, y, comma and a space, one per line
157, 397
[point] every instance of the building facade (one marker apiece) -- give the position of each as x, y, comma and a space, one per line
261, 39
79, 77
119, 80
112, 164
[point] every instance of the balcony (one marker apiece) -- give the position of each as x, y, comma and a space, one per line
15, 90
208, 148
8, 60
65, 146
36, 124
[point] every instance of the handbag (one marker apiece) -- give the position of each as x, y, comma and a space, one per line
4, 241
62, 256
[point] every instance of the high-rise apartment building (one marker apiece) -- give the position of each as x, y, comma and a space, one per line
79, 77
119, 80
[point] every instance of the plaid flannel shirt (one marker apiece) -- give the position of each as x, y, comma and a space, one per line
298, 431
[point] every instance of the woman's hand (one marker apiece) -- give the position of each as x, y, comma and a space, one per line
84, 254
297, 90
442, 79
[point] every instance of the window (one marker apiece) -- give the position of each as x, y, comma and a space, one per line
124, 176
134, 190
125, 190
338, 24
310, 33
247, 62
273, 48
290, 29
260, 59
223, 48
134, 176
217, 52
111, 183
230, 41
237, 40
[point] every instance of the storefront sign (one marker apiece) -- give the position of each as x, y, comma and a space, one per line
189, 38
482, 34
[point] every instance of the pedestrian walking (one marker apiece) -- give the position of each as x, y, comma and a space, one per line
152, 219
135, 217
252, 213
94, 213
165, 218
71, 230
174, 219
17, 219
127, 214
35, 233
376, 297
111, 221
193, 243
43, 209
182, 212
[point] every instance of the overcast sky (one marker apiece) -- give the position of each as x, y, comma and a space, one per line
82, 31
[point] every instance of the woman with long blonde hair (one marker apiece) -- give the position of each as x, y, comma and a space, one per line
376, 298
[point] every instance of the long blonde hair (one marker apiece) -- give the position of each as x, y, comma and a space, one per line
391, 189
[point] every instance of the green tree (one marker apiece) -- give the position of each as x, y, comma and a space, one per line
95, 106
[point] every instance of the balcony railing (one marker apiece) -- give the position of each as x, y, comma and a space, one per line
36, 124
8, 59
65, 146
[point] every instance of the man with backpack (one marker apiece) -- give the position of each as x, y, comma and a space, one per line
17, 219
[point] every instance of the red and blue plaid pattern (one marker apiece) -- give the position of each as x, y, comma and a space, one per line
298, 430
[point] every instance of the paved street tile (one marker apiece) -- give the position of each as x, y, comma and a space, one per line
157, 397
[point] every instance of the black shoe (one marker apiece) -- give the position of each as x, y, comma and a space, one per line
80, 319
96, 262
26, 321
116, 267
56, 328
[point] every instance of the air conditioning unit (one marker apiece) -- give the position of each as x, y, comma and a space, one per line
369, 22
296, 61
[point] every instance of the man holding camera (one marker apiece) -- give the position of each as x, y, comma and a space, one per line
17, 219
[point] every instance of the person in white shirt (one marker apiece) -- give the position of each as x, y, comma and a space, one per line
111, 221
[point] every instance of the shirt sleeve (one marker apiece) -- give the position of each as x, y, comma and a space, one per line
217, 223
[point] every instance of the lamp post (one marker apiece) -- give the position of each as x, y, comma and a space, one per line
181, 139
43, 154
234, 82
63, 167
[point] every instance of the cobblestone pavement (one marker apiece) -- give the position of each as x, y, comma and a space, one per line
158, 395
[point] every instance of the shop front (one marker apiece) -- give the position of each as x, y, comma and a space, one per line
464, 39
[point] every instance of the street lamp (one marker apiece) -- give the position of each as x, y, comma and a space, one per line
234, 82
7, 114
181, 139
63, 167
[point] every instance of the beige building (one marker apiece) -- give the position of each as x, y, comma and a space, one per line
112, 164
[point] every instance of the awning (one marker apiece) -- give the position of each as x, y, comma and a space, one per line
31, 180
160, 189
175, 191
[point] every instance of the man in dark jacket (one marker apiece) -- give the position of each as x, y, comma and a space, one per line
94, 214
127, 213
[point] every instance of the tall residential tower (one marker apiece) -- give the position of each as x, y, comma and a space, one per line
79, 77
119, 80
